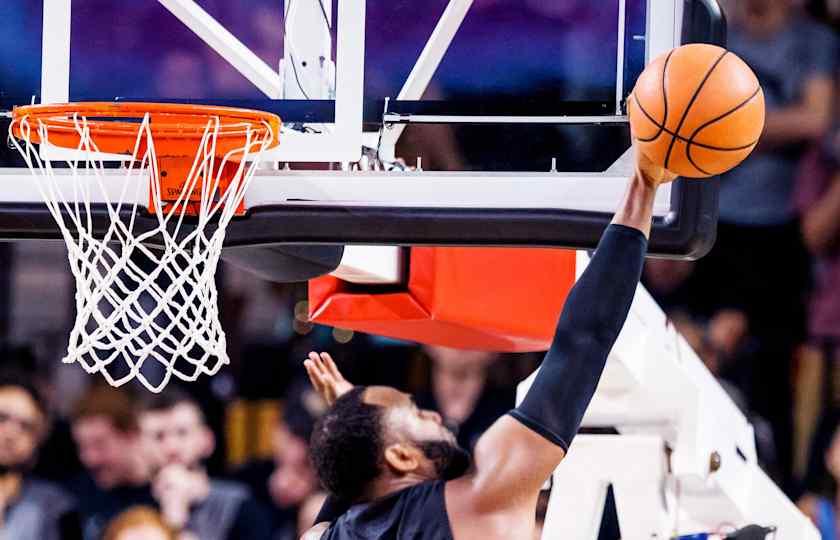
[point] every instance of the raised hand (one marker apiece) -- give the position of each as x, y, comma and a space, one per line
651, 173
325, 376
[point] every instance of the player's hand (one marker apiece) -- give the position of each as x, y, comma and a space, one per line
651, 173
325, 377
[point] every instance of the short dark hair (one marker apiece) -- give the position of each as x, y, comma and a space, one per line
168, 400
116, 405
347, 446
15, 378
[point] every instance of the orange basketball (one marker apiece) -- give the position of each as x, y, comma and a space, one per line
697, 110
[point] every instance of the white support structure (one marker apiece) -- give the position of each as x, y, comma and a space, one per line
591, 467
55, 52
656, 391
619, 63
308, 39
342, 141
371, 265
342, 80
226, 45
307, 68
424, 69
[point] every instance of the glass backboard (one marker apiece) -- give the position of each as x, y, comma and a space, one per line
515, 109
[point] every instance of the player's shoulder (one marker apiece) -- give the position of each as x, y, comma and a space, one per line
316, 532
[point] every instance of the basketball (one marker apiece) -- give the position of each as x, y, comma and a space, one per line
697, 110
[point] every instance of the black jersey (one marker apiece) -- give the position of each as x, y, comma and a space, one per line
415, 513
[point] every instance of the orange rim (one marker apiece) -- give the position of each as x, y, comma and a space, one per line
176, 128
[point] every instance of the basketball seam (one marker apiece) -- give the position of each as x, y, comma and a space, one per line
683, 139
690, 104
697, 131
665, 104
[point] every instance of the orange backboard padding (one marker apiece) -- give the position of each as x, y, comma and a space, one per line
496, 299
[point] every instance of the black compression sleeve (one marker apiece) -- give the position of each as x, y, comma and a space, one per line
592, 317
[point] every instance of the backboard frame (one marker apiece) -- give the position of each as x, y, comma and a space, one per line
310, 209
342, 141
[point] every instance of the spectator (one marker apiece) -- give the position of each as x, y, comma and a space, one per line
818, 198
177, 441
794, 59
823, 510
460, 392
294, 480
105, 429
287, 482
29, 508
139, 523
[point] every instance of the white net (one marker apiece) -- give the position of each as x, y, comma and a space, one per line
146, 298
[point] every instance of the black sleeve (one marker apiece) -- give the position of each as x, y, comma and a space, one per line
592, 318
252, 522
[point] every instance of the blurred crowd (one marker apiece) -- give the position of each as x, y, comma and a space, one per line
227, 457
763, 308
127, 464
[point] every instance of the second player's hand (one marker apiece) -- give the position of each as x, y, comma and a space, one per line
325, 377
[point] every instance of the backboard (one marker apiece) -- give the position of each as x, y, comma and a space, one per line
497, 98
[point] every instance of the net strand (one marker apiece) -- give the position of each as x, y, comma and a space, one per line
146, 301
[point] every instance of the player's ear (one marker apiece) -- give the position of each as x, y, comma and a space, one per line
402, 458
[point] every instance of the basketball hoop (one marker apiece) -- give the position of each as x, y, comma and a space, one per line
145, 294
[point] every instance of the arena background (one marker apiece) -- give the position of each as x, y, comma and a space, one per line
266, 323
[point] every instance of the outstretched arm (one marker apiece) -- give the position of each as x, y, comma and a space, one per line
519, 452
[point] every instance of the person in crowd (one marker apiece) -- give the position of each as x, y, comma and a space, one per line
30, 509
105, 429
287, 481
823, 506
460, 391
177, 440
140, 523
794, 60
818, 198
293, 480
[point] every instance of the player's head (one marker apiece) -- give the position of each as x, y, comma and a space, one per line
174, 430
23, 421
378, 433
106, 434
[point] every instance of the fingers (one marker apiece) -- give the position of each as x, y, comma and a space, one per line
325, 376
651, 172
315, 372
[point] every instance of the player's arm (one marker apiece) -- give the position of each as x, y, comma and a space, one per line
821, 220
518, 453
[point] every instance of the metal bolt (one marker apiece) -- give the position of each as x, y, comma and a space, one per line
714, 462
